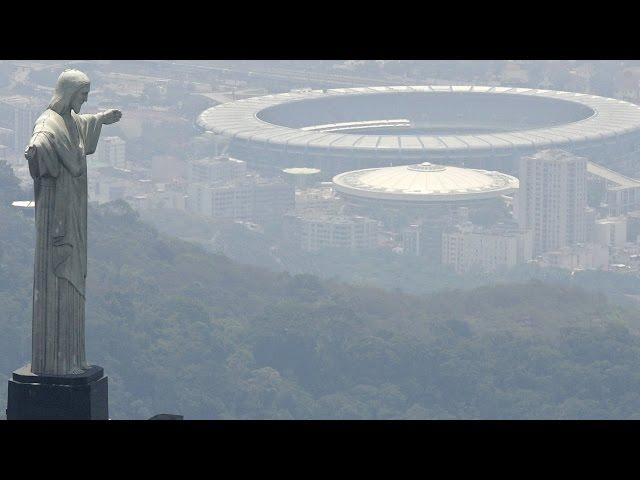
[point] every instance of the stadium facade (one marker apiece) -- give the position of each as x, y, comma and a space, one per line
347, 129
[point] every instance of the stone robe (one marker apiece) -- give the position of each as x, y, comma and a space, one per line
59, 172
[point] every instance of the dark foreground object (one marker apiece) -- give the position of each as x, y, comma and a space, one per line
167, 416
58, 397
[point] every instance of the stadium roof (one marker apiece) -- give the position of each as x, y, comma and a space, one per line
425, 182
240, 120
613, 177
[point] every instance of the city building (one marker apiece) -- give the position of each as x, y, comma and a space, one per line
590, 217
271, 198
169, 196
24, 115
424, 239
111, 151
321, 197
301, 177
246, 198
312, 232
220, 201
633, 226
6, 137
621, 193
552, 199
580, 256
411, 241
468, 247
215, 169
625, 258
611, 231
107, 189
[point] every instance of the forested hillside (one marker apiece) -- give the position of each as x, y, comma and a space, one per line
181, 330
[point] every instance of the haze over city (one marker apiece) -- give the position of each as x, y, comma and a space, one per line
387, 239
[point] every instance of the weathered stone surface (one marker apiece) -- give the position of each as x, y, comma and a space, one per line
61, 140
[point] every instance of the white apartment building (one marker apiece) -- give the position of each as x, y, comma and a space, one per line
318, 231
467, 247
216, 169
111, 151
221, 201
582, 256
622, 193
611, 231
552, 199
6, 138
24, 116
247, 198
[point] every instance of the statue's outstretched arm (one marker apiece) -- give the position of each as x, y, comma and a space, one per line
91, 125
110, 116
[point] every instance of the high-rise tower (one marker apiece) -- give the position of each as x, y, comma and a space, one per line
552, 198
23, 119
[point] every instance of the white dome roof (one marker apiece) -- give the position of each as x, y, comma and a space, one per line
301, 171
425, 182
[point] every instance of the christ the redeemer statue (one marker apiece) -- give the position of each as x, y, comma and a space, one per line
62, 138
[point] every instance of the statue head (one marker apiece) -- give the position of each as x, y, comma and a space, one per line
71, 91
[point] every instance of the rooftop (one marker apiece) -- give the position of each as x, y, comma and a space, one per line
301, 171
425, 182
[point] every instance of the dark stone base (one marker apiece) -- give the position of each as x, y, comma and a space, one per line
58, 397
167, 416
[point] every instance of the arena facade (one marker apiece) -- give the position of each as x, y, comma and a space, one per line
341, 130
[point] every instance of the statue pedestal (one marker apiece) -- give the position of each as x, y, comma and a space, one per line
58, 397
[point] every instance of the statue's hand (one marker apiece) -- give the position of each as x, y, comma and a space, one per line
30, 152
111, 116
